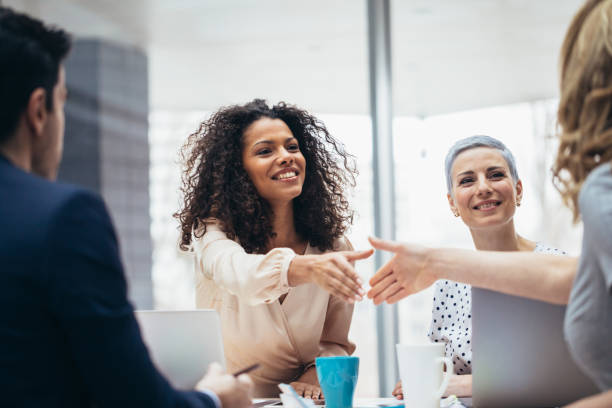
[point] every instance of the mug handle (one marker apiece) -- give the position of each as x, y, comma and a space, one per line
447, 374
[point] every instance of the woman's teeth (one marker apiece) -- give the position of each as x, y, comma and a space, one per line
485, 206
287, 175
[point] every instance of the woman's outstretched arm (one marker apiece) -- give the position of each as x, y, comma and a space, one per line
413, 268
258, 279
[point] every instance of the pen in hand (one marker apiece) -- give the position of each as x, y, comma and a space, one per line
246, 370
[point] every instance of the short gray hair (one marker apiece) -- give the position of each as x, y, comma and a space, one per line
470, 143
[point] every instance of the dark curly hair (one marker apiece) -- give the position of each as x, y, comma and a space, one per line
216, 185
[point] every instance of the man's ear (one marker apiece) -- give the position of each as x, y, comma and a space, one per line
36, 111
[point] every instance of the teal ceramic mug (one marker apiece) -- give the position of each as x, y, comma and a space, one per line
338, 377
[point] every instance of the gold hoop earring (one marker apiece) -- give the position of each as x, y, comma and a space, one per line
518, 203
456, 213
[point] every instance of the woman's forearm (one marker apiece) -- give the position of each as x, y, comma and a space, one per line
254, 278
298, 274
542, 277
596, 401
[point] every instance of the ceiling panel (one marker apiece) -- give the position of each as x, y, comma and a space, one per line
448, 55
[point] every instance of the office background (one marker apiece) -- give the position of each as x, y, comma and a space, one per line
145, 73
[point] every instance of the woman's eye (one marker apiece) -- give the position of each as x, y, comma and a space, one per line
466, 180
263, 152
293, 148
497, 175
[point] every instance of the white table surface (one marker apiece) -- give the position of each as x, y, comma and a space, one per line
358, 402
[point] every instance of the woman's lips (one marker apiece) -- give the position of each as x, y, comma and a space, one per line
287, 176
487, 206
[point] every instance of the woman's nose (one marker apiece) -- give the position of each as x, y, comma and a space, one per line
286, 157
483, 186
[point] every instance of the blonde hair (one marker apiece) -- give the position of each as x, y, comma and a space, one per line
585, 108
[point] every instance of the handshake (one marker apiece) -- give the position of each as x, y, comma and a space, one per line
401, 276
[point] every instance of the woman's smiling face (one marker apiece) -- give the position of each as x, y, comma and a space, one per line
483, 192
272, 158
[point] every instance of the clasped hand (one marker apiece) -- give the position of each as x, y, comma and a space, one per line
232, 391
307, 385
332, 271
404, 274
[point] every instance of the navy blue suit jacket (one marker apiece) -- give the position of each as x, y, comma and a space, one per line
68, 336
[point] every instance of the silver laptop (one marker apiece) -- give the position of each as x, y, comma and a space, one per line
182, 343
520, 358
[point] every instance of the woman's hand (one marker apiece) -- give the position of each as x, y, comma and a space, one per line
333, 272
306, 390
397, 391
459, 385
307, 385
403, 275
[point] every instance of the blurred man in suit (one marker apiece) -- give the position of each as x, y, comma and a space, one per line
67, 330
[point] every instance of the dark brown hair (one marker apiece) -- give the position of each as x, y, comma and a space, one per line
30, 57
215, 184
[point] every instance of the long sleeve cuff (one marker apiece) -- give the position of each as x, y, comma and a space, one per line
213, 397
284, 275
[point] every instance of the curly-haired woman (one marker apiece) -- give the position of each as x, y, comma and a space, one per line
583, 172
265, 213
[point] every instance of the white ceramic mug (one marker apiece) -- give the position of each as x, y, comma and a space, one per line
422, 374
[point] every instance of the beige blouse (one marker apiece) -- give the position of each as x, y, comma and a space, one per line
257, 328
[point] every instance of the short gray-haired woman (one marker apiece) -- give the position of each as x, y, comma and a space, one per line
484, 190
